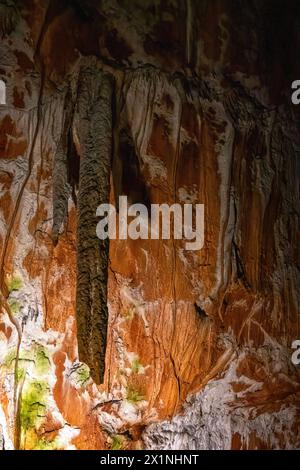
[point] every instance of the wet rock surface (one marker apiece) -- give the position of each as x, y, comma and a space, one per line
163, 101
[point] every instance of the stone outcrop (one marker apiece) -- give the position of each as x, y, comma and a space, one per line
140, 343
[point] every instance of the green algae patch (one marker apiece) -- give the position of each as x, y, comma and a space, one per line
42, 361
44, 444
83, 374
32, 410
34, 365
33, 403
136, 366
117, 442
134, 395
14, 283
14, 305
9, 358
35, 358
80, 375
35, 395
20, 374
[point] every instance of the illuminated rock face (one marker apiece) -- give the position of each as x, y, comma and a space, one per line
191, 107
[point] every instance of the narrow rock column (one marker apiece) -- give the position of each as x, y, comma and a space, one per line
93, 127
61, 187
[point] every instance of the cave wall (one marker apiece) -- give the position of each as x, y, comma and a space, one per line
163, 101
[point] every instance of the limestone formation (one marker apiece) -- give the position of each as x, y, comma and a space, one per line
138, 344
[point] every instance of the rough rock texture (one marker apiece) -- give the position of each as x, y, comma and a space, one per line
163, 101
94, 130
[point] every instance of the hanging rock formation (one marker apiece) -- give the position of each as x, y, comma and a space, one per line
94, 130
140, 343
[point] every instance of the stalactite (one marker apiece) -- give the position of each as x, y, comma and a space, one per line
93, 125
61, 187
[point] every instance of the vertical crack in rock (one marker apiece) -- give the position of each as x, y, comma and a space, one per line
93, 126
240, 270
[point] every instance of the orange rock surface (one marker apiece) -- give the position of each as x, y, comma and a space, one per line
199, 343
